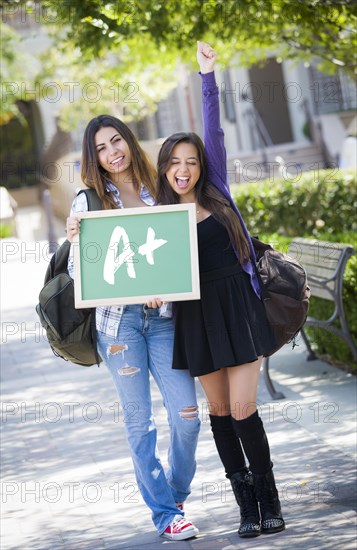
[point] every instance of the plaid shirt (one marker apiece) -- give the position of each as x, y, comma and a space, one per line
108, 318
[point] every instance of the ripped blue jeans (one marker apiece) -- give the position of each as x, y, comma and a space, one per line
144, 345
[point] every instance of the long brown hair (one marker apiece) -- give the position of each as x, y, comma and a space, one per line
93, 175
207, 195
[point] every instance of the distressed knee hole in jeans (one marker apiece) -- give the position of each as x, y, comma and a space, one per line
189, 412
127, 370
155, 473
113, 349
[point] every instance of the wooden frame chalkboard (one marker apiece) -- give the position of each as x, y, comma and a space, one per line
131, 255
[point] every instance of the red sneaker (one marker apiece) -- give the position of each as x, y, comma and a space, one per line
180, 529
179, 505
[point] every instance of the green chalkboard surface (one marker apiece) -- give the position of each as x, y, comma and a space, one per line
131, 255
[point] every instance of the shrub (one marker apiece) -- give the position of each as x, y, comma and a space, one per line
6, 230
323, 208
315, 204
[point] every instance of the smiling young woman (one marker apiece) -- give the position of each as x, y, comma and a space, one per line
113, 153
136, 341
184, 170
222, 337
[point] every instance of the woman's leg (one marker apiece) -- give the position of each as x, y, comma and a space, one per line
243, 385
177, 388
248, 426
127, 360
216, 387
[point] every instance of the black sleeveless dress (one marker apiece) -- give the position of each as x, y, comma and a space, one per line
228, 325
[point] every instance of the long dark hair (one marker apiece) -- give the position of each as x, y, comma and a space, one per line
207, 195
93, 175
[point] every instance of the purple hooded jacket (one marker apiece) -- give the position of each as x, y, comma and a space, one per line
217, 158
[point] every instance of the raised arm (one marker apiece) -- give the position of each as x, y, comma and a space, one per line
213, 135
214, 141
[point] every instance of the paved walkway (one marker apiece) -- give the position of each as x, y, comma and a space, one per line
67, 479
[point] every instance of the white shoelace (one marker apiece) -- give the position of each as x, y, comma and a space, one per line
178, 522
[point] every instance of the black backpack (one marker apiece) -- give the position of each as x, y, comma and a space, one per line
285, 292
71, 332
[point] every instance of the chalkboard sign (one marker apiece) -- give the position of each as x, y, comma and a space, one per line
130, 255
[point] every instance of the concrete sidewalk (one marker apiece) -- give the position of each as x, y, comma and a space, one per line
67, 478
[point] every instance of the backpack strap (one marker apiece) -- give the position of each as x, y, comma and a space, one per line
60, 258
94, 337
260, 248
58, 263
94, 202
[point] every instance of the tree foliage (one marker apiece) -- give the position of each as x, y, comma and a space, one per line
147, 39
127, 81
294, 28
17, 71
122, 85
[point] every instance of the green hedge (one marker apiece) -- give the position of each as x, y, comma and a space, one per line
5, 231
322, 207
314, 204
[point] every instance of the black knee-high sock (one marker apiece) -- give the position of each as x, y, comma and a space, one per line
254, 441
228, 445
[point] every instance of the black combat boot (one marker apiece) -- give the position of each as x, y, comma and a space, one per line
267, 495
243, 489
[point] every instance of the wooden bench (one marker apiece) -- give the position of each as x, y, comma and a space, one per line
325, 264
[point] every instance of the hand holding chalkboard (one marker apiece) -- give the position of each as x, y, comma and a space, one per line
72, 227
